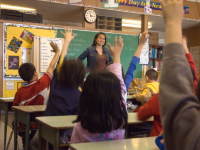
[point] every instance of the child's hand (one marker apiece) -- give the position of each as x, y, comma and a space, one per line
68, 34
117, 47
185, 44
172, 11
143, 37
55, 47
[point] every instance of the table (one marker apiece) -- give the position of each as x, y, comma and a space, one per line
6, 104
49, 127
22, 114
147, 143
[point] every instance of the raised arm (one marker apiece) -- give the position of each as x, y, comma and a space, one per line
132, 66
179, 107
55, 58
68, 38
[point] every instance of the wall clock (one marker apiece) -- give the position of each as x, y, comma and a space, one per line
90, 16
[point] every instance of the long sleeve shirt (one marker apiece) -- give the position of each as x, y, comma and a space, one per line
179, 106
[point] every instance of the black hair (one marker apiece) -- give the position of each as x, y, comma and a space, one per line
96, 36
152, 74
101, 108
72, 73
26, 71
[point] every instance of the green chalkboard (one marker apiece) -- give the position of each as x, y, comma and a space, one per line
84, 39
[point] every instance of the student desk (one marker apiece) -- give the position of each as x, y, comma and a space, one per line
49, 127
6, 104
147, 143
22, 114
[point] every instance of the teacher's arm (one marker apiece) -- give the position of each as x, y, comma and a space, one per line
110, 58
83, 55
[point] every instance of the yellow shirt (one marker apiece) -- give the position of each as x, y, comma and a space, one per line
154, 86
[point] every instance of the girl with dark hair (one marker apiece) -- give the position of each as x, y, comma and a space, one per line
97, 55
102, 110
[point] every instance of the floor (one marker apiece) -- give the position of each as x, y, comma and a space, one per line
9, 129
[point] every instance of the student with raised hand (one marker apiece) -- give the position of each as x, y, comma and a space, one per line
102, 113
132, 66
65, 92
179, 106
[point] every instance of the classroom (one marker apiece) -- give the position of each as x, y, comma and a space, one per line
99, 74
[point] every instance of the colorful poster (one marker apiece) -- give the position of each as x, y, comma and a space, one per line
27, 36
13, 62
15, 44
26, 55
75, 1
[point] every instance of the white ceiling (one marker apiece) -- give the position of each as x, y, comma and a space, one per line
55, 12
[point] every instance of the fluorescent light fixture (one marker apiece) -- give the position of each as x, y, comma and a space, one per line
16, 8
134, 24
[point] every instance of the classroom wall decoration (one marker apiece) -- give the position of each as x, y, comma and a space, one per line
15, 44
13, 62
27, 36
18, 38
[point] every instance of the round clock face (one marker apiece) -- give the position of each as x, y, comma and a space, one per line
90, 16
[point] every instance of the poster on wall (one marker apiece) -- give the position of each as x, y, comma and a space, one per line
13, 62
10, 85
27, 36
194, 51
26, 55
110, 4
15, 44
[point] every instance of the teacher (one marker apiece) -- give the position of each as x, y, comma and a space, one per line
97, 55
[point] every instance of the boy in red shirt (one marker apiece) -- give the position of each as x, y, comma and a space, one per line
36, 91
151, 108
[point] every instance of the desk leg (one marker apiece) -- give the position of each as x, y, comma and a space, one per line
126, 132
39, 138
56, 140
27, 131
15, 131
5, 125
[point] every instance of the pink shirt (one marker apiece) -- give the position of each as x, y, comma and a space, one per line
81, 135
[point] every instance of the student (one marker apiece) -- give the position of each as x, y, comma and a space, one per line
65, 92
97, 55
135, 58
36, 91
151, 108
102, 113
150, 88
178, 104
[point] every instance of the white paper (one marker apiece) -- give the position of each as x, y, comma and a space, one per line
45, 51
194, 51
111, 3
26, 55
144, 56
75, 1
10, 85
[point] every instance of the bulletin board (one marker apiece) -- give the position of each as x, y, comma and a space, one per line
18, 39
22, 45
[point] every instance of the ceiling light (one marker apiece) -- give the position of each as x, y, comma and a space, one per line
16, 8
134, 23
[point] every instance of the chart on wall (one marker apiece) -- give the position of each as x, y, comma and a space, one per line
45, 51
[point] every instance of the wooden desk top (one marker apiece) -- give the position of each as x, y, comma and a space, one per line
129, 97
132, 119
7, 100
65, 122
58, 122
147, 143
31, 108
